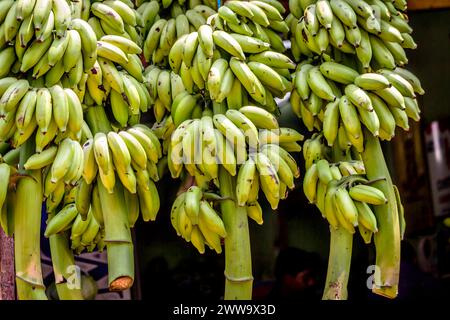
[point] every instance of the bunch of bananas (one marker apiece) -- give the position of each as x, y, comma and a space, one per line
260, 20
376, 31
216, 61
166, 29
194, 219
52, 113
250, 138
338, 100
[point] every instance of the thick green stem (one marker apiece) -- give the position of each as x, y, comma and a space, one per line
387, 239
117, 237
238, 260
27, 223
68, 280
341, 243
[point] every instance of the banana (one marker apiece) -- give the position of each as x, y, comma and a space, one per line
149, 201
41, 160
192, 204
234, 99
61, 220
215, 77
260, 117
331, 121
34, 53
311, 20
284, 171
88, 42
211, 219
349, 117
153, 38
5, 173
393, 97
41, 11
109, 16
381, 53
90, 167
233, 134
411, 78
228, 43
111, 75
228, 15
310, 182
73, 50
75, 111
62, 12
250, 44
83, 198
245, 179
344, 12
270, 182
195, 18
127, 14
150, 149
206, 40
225, 153
168, 35
400, 83
273, 59
358, 97
63, 160
267, 75
25, 110
60, 107
226, 85
366, 216
249, 80
346, 206
319, 85
240, 8
120, 153
246, 125
183, 108
11, 25
367, 194
372, 81
370, 120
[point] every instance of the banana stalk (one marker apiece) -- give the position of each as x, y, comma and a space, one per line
27, 227
341, 243
117, 238
238, 263
387, 239
67, 286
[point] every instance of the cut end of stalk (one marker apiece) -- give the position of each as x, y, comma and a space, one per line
121, 284
387, 292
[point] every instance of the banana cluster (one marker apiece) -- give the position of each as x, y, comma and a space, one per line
376, 31
194, 219
164, 87
343, 195
247, 142
53, 113
167, 28
132, 154
86, 232
331, 96
261, 20
48, 39
202, 59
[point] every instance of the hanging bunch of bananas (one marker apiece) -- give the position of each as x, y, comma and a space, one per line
341, 191
52, 113
247, 142
167, 22
376, 31
338, 100
232, 66
195, 219
48, 40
